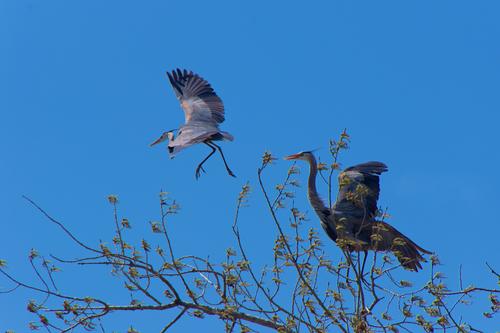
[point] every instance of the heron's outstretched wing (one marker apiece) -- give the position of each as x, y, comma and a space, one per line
359, 190
198, 100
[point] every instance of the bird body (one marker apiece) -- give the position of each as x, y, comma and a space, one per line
203, 112
352, 221
193, 133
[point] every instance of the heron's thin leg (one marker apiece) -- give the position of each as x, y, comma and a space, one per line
200, 167
223, 158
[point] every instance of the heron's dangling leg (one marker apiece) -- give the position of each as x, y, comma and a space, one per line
200, 166
223, 158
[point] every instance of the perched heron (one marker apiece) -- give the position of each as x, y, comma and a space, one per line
203, 111
352, 221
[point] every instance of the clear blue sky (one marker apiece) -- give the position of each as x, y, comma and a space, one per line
83, 92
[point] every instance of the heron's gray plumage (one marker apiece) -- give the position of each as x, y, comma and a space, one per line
196, 132
203, 112
197, 97
359, 190
351, 222
323, 212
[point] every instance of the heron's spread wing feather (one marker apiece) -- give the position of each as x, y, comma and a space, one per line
198, 99
369, 167
359, 190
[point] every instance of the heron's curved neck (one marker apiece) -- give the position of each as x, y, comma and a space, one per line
312, 193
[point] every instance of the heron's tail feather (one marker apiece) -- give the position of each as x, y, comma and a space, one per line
227, 136
387, 238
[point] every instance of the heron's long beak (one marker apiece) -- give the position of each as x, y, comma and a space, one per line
292, 157
167, 135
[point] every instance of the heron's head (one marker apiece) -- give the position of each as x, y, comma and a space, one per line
303, 155
166, 135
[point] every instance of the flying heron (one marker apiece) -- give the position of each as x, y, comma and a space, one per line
352, 221
203, 111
